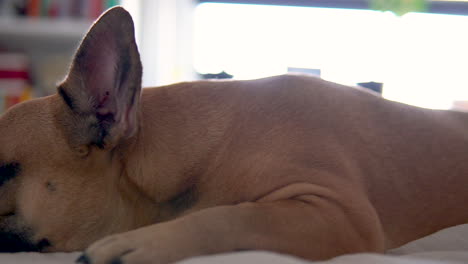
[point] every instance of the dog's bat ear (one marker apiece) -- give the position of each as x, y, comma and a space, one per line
103, 85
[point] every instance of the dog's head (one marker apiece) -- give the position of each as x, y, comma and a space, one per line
60, 169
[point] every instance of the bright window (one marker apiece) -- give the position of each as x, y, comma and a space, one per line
422, 59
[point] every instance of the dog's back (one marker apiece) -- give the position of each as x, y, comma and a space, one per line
262, 134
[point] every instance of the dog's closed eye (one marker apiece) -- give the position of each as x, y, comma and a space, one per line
8, 171
7, 214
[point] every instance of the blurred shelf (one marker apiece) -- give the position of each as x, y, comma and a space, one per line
49, 44
43, 33
44, 27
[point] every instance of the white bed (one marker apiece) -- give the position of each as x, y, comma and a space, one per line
449, 246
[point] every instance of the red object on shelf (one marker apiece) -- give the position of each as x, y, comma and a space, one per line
53, 9
5, 74
96, 8
14, 79
34, 8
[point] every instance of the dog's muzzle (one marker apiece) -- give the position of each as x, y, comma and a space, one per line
14, 242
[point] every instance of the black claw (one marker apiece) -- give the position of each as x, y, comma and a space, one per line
116, 261
83, 259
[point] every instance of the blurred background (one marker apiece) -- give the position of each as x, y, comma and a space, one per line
412, 51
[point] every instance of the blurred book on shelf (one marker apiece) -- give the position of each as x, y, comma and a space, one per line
14, 79
37, 40
81, 9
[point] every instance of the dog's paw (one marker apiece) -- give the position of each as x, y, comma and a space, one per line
134, 247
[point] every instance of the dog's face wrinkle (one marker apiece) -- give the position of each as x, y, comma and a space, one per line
66, 97
8, 171
184, 200
51, 187
102, 128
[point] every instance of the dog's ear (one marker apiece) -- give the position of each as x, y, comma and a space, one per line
103, 87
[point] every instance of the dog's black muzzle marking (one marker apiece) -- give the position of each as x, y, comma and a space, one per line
12, 242
8, 171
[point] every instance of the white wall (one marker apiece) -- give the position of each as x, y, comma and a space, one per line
164, 35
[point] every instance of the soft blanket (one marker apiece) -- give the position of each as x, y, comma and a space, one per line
449, 246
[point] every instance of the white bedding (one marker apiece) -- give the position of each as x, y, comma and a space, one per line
450, 246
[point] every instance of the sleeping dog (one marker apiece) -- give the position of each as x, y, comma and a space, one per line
291, 164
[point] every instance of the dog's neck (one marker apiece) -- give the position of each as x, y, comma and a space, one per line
163, 154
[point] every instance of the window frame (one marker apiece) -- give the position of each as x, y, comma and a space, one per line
436, 7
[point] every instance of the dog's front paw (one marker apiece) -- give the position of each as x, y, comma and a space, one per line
134, 247
110, 250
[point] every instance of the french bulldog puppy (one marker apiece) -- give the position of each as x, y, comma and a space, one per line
291, 164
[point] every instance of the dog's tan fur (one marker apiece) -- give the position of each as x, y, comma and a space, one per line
292, 164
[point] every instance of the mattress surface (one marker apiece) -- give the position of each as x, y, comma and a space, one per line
449, 246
